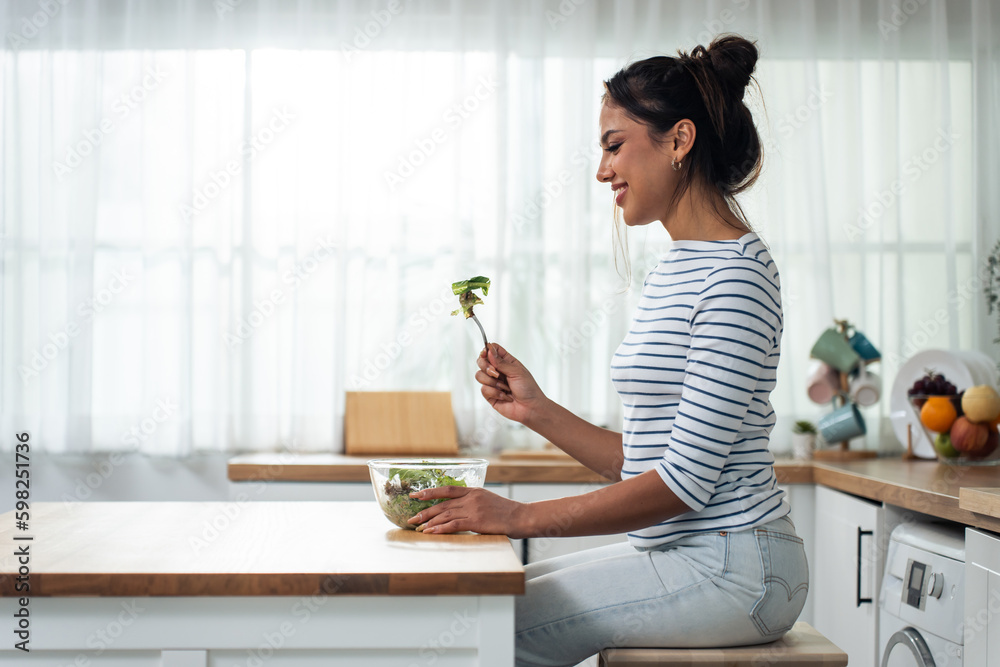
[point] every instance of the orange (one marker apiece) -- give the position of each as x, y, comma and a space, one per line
938, 414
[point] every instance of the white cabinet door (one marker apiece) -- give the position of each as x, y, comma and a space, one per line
847, 572
540, 548
982, 599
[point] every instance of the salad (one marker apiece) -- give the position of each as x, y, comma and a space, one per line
398, 506
467, 298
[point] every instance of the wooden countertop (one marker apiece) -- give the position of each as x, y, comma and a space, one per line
922, 486
506, 469
251, 548
928, 487
340, 468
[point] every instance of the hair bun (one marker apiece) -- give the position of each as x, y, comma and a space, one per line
733, 58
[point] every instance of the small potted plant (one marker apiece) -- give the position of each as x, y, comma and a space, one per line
803, 439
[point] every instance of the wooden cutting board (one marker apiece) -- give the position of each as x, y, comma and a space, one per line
401, 423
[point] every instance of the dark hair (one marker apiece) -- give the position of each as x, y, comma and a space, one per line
706, 87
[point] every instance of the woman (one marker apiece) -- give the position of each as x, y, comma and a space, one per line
712, 559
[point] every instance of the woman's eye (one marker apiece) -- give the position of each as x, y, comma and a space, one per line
613, 149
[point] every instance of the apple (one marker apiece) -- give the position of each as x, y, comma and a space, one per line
970, 438
991, 442
981, 403
942, 445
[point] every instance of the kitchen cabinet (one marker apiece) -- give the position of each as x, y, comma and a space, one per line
982, 598
540, 548
847, 572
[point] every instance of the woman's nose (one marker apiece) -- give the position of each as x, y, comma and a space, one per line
604, 172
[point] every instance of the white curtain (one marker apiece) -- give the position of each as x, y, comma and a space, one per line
219, 216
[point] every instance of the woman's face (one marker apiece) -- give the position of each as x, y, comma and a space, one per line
637, 167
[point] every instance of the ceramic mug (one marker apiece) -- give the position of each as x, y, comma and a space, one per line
865, 388
842, 424
864, 347
834, 349
822, 383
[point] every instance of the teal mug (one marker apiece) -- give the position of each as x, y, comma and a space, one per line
832, 347
842, 424
860, 343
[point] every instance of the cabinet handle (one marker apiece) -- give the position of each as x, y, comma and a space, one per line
861, 600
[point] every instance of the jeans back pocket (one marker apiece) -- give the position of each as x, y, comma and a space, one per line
785, 581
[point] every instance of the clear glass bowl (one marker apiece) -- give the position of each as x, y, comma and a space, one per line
393, 480
985, 457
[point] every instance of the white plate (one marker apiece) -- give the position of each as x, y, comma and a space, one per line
901, 412
983, 369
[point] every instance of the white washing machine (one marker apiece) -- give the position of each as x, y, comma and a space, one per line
923, 593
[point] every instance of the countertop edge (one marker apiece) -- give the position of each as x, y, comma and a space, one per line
433, 584
979, 509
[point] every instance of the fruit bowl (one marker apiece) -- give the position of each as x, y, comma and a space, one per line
956, 440
393, 480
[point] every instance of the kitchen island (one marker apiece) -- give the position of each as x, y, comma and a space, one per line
282, 584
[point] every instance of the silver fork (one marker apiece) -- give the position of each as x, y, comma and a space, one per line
486, 343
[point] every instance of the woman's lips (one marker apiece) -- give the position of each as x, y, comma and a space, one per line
620, 194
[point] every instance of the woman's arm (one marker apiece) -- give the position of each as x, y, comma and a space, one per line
637, 502
513, 393
597, 448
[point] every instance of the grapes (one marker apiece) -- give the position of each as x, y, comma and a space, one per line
931, 384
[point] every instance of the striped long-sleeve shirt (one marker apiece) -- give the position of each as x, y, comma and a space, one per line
694, 374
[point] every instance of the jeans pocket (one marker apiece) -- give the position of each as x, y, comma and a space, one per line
785, 581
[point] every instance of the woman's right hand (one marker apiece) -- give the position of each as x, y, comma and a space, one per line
507, 384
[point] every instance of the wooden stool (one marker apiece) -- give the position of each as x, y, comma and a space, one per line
801, 645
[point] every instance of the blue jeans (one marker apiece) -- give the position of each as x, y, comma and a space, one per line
714, 589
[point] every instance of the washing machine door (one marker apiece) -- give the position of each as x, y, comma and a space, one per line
907, 648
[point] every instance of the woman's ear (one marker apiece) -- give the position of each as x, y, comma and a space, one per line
683, 138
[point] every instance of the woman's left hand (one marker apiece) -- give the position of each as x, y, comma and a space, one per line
474, 509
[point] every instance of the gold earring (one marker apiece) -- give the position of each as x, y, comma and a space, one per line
675, 164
